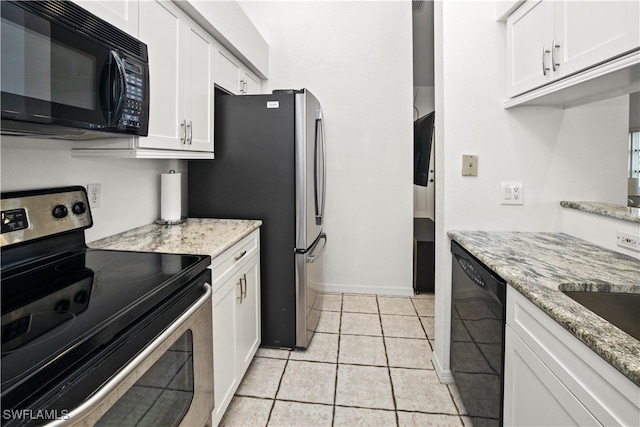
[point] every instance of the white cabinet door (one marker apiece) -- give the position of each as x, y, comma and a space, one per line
252, 84
590, 32
225, 357
198, 88
120, 13
533, 396
236, 317
248, 315
161, 30
227, 74
529, 36
552, 378
233, 76
548, 40
181, 79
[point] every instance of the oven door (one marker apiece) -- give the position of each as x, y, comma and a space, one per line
169, 384
54, 74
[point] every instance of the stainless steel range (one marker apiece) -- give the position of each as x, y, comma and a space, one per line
98, 337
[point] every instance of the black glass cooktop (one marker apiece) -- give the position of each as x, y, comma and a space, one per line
81, 301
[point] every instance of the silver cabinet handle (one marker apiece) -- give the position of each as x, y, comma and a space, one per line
241, 294
190, 128
554, 48
545, 51
243, 289
183, 131
240, 255
244, 293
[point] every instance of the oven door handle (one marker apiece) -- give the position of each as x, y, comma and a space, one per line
87, 406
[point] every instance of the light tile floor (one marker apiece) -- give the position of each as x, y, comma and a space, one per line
369, 364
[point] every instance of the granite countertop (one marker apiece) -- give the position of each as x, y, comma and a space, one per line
537, 264
605, 209
202, 236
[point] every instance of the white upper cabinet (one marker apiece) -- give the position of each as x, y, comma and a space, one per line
120, 13
549, 40
590, 32
252, 84
530, 32
181, 79
185, 64
198, 88
233, 76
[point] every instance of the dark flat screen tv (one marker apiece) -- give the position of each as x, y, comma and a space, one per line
422, 140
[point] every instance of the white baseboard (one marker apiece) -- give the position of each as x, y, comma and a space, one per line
362, 289
445, 375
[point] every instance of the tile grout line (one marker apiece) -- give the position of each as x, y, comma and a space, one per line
335, 384
334, 405
384, 343
275, 397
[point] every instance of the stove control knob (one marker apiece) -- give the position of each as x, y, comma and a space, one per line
62, 306
81, 297
79, 208
60, 211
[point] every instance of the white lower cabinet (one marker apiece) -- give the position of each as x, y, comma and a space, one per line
553, 379
535, 396
236, 317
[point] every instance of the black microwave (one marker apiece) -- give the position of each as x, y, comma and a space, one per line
66, 73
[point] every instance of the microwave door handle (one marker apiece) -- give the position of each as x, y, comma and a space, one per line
119, 91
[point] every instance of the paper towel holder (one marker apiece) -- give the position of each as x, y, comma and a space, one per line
167, 222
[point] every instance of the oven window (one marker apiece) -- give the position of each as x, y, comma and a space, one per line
162, 396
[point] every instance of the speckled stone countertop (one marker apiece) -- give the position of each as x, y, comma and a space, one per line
605, 209
537, 264
202, 236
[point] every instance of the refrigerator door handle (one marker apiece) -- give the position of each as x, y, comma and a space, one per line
320, 168
314, 252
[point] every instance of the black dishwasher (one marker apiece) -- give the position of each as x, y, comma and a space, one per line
477, 337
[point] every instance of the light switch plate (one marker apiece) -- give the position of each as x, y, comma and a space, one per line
511, 193
469, 165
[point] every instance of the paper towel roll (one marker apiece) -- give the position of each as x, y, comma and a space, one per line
170, 197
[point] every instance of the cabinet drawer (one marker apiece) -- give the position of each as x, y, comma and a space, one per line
233, 258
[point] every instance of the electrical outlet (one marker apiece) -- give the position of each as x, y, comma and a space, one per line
629, 241
511, 193
94, 192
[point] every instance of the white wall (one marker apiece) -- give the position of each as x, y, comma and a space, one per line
573, 154
356, 58
130, 187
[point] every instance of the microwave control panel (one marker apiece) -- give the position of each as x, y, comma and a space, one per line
133, 108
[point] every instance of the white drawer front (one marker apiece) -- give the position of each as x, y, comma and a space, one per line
233, 258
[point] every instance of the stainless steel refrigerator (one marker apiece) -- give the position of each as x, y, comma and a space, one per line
270, 165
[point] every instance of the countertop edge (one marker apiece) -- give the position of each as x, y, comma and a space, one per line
195, 236
616, 349
605, 209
